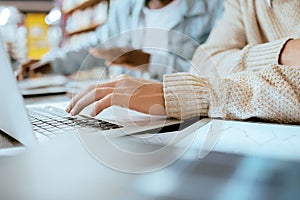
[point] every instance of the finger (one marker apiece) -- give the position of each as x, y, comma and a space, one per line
122, 63
91, 97
104, 54
19, 75
117, 80
141, 104
20, 72
23, 68
109, 100
116, 60
78, 96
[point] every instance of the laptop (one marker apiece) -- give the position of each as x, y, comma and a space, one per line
47, 121
42, 86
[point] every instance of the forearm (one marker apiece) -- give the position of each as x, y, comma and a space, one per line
229, 60
271, 94
73, 61
234, 46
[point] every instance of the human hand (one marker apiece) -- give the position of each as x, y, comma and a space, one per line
126, 57
291, 53
10, 50
31, 68
136, 94
23, 68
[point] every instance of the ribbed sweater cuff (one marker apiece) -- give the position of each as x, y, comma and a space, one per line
185, 95
263, 55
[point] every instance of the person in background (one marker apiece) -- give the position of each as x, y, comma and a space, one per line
254, 35
135, 23
256, 50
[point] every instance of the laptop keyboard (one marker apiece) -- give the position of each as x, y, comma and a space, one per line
50, 122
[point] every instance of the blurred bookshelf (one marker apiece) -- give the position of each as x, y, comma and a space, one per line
80, 20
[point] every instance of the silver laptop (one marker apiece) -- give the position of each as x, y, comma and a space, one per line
28, 125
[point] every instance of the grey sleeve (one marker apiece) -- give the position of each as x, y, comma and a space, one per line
73, 61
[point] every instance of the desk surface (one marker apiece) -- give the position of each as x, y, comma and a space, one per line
251, 161
259, 139
63, 169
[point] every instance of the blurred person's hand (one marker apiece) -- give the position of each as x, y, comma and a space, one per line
31, 68
290, 54
10, 50
23, 69
130, 58
136, 94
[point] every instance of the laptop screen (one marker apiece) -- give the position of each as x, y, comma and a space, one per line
14, 120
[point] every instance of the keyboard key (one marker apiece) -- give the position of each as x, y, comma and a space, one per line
51, 122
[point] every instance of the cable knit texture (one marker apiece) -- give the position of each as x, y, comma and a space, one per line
271, 94
250, 35
245, 48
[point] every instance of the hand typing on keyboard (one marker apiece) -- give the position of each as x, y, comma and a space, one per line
137, 94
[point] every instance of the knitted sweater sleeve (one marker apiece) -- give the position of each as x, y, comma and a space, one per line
230, 49
271, 94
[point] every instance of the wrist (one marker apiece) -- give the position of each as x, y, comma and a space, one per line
285, 51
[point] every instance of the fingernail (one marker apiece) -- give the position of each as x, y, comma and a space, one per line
72, 113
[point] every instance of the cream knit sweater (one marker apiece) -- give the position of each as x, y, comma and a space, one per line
246, 42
